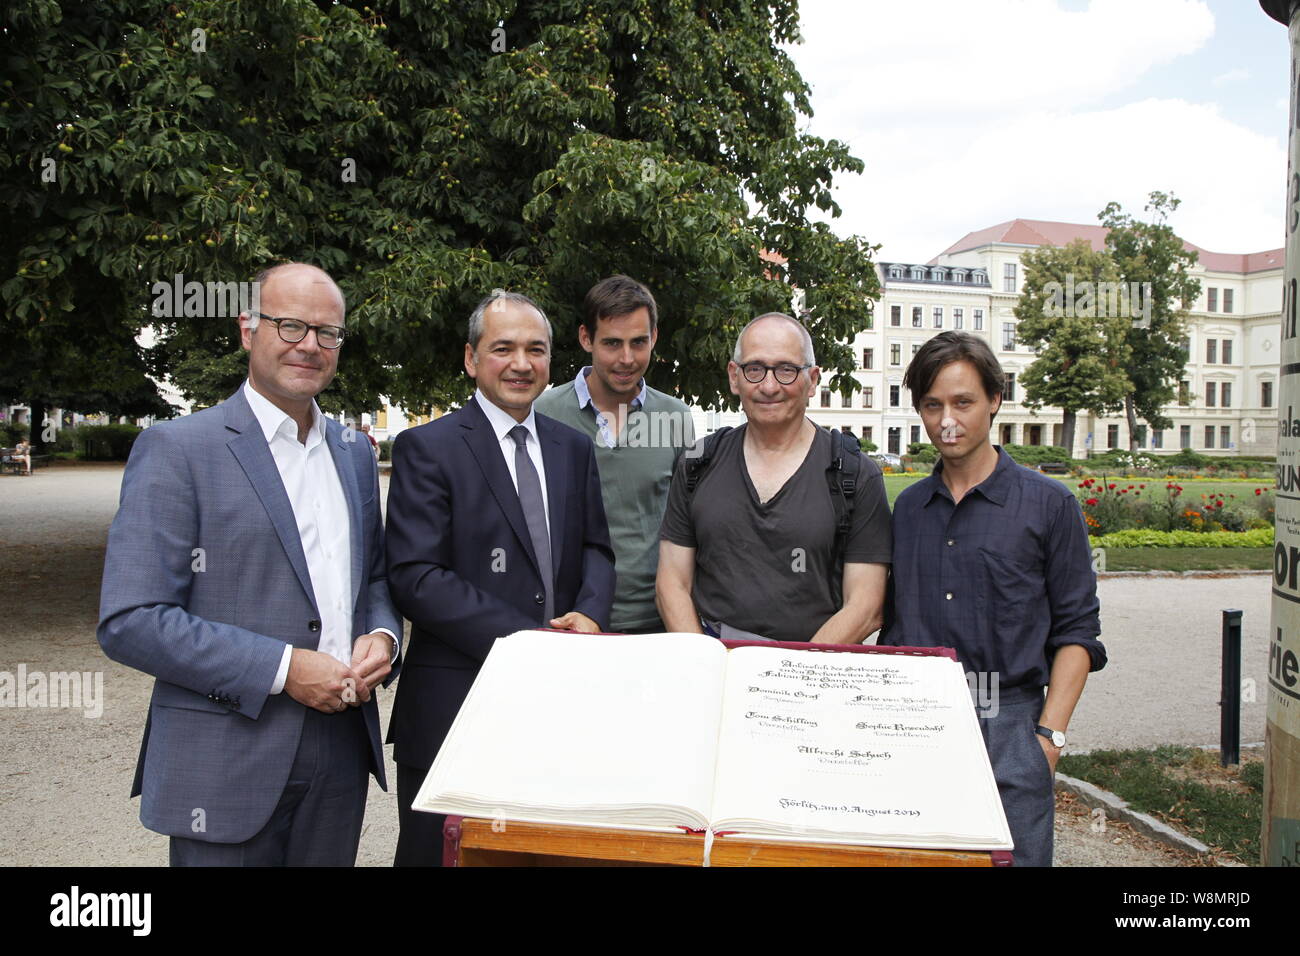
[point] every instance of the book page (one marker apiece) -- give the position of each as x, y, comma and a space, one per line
579, 728
868, 748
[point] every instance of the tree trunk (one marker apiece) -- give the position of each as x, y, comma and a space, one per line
1067, 431
1131, 413
39, 409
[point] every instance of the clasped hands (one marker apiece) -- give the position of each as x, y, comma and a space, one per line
318, 681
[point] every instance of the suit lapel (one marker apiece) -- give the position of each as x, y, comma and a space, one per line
254, 455
483, 444
348, 479
557, 480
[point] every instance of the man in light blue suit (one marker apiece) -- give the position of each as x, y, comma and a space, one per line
245, 571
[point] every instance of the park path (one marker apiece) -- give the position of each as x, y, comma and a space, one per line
64, 777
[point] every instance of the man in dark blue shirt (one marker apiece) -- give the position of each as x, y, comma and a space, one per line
993, 560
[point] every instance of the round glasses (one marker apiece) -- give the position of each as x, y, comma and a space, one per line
295, 330
785, 374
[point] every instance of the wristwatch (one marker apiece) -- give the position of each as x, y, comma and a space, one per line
1055, 736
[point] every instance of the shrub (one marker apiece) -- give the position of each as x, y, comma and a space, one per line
923, 452
1036, 454
386, 450
1142, 538
868, 446
104, 442
12, 433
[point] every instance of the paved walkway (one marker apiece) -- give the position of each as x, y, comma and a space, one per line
64, 778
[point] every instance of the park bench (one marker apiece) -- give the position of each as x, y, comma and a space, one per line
13, 466
1054, 468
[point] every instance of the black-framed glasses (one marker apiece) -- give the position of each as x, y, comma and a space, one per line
295, 330
785, 374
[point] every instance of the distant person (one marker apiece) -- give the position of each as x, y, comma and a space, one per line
374, 445
245, 572
777, 529
993, 559
23, 452
638, 433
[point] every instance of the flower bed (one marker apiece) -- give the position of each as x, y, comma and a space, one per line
1111, 506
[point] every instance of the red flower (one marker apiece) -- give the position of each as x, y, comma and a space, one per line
1219, 505
1258, 490
1111, 487
1140, 486
1091, 501
1123, 491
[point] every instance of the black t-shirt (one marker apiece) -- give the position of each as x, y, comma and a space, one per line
767, 567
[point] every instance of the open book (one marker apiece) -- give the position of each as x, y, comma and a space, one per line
669, 731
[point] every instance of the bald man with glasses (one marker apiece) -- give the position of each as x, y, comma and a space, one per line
778, 529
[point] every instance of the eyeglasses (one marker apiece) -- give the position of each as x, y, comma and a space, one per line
295, 330
755, 372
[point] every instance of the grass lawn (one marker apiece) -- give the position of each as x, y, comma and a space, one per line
1188, 559
1186, 788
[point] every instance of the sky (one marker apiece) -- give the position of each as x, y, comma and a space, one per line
968, 113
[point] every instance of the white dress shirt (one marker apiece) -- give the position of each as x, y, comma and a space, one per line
321, 512
502, 423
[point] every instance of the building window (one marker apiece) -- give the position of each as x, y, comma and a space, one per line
869, 397
1184, 393
893, 396
977, 318
916, 347
1141, 435
868, 358
1209, 436
1112, 436
895, 354
866, 433
918, 273
1157, 438
826, 398
1227, 302
1211, 300
916, 434
892, 447
916, 317
1009, 388
1265, 394
895, 272
1187, 349
1225, 395
1225, 431
1209, 394
958, 315
1008, 336
896, 315
938, 316
1211, 352
1227, 351
1009, 277
846, 401
847, 429
1184, 436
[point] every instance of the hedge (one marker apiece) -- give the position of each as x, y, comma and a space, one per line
1142, 538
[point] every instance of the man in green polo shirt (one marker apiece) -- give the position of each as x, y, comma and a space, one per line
638, 433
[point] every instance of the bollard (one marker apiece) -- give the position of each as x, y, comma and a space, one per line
1230, 690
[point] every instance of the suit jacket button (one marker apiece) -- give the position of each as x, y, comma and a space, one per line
539, 597
313, 626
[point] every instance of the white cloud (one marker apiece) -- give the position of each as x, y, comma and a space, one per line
925, 188
985, 59
968, 115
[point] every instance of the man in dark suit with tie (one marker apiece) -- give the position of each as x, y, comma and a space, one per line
495, 525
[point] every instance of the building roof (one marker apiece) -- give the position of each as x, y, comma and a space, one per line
1041, 232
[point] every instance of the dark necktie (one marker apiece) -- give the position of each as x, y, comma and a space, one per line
530, 499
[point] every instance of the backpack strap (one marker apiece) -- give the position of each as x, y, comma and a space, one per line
696, 458
842, 478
